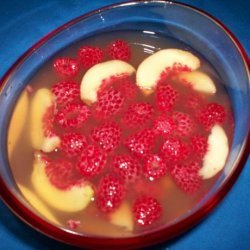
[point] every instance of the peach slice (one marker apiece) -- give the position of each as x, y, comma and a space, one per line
41, 101
36, 203
200, 81
73, 199
123, 217
93, 78
149, 71
216, 156
18, 121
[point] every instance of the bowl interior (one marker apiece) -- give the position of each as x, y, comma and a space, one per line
194, 28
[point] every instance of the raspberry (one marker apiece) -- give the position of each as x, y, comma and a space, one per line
185, 123
199, 145
61, 173
109, 103
119, 49
73, 115
73, 143
173, 149
166, 97
110, 193
164, 125
88, 56
137, 114
73, 224
128, 88
141, 143
211, 114
187, 177
126, 167
176, 69
154, 167
191, 100
48, 122
66, 67
143, 187
146, 210
66, 92
91, 161
107, 135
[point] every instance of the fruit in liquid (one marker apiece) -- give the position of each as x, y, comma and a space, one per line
160, 118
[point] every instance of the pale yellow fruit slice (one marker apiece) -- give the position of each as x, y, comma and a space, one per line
41, 101
18, 121
74, 199
36, 203
216, 156
199, 81
149, 71
123, 217
93, 78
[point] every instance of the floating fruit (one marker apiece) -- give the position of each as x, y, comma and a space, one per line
216, 156
199, 81
123, 217
17, 122
36, 203
93, 78
150, 70
72, 199
40, 140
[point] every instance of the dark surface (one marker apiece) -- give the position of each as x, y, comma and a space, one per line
22, 23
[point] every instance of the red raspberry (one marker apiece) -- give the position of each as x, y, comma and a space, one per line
128, 89
141, 143
187, 177
212, 114
176, 69
107, 135
199, 145
48, 122
126, 167
164, 125
143, 187
91, 161
109, 103
184, 122
122, 83
110, 193
166, 97
120, 50
173, 149
73, 143
73, 115
66, 67
62, 174
73, 224
137, 114
154, 167
192, 100
66, 92
146, 210
88, 56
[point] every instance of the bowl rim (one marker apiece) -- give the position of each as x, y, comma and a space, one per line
164, 234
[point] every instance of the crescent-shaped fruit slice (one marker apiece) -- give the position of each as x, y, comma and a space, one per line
150, 70
41, 101
72, 199
18, 121
37, 204
216, 156
199, 81
123, 217
93, 78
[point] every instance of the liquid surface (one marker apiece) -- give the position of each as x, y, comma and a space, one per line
174, 201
